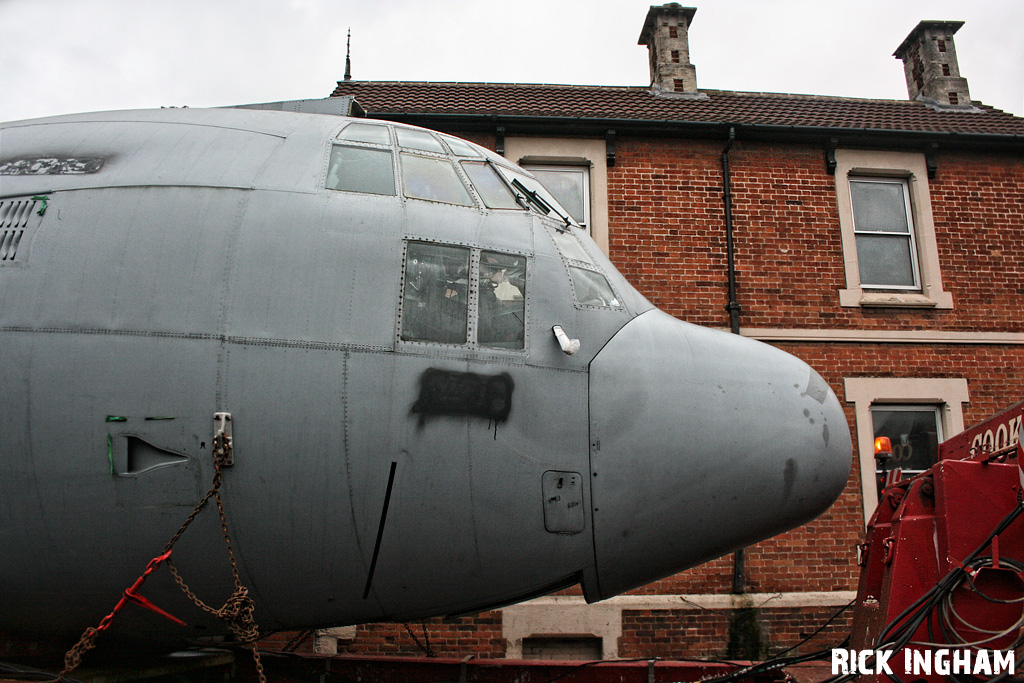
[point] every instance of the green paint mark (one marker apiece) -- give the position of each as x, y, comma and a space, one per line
42, 209
110, 452
116, 418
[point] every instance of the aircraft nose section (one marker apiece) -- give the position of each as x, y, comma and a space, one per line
703, 442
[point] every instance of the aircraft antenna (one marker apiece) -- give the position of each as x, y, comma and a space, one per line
348, 56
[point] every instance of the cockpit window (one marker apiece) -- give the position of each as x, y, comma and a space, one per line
592, 288
589, 284
491, 188
570, 247
433, 179
461, 148
361, 169
502, 307
366, 132
411, 138
434, 167
435, 303
464, 296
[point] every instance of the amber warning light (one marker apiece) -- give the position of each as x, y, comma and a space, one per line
883, 448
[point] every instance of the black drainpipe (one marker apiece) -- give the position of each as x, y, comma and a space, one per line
734, 313
744, 630
733, 307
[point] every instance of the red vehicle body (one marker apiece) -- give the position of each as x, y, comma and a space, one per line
943, 559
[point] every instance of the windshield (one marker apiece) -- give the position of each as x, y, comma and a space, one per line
363, 162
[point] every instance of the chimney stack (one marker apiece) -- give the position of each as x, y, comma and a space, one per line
665, 35
930, 66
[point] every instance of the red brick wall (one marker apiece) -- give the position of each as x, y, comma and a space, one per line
682, 633
666, 219
479, 635
700, 634
667, 236
978, 204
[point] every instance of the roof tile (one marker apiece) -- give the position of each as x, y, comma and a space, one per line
643, 104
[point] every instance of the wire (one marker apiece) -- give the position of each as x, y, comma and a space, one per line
820, 628
28, 673
779, 661
898, 633
770, 665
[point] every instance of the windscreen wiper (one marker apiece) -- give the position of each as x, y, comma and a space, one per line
538, 201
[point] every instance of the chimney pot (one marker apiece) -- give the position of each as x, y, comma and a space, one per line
930, 66
665, 33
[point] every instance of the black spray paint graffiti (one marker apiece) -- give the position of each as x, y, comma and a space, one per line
443, 392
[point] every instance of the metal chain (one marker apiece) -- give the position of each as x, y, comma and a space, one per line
221, 453
73, 657
426, 649
300, 638
238, 610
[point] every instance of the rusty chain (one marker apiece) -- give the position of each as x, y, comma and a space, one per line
426, 649
73, 657
238, 611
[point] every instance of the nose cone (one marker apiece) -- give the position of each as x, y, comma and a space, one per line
703, 442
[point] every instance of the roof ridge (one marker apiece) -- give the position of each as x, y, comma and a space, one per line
648, 88
806, 96
574, 86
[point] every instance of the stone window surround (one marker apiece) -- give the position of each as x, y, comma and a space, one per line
571, 152
948, 393
911, 166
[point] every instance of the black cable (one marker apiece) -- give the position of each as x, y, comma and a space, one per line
946, 584
820, 629
28, 673
779, 661
948, 618
770, 665
898, 633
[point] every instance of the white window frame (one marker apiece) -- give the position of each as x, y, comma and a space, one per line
582, 170
948, 393
571, 152
909, 213
911, 168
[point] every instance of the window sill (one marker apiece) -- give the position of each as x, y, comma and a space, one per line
856, 298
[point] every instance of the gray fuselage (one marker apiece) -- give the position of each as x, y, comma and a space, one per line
188, 262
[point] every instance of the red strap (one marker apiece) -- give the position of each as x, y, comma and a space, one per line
144, 602
132, 595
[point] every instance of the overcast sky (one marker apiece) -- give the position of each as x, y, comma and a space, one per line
64, 56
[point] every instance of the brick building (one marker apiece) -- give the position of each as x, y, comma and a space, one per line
880, 241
